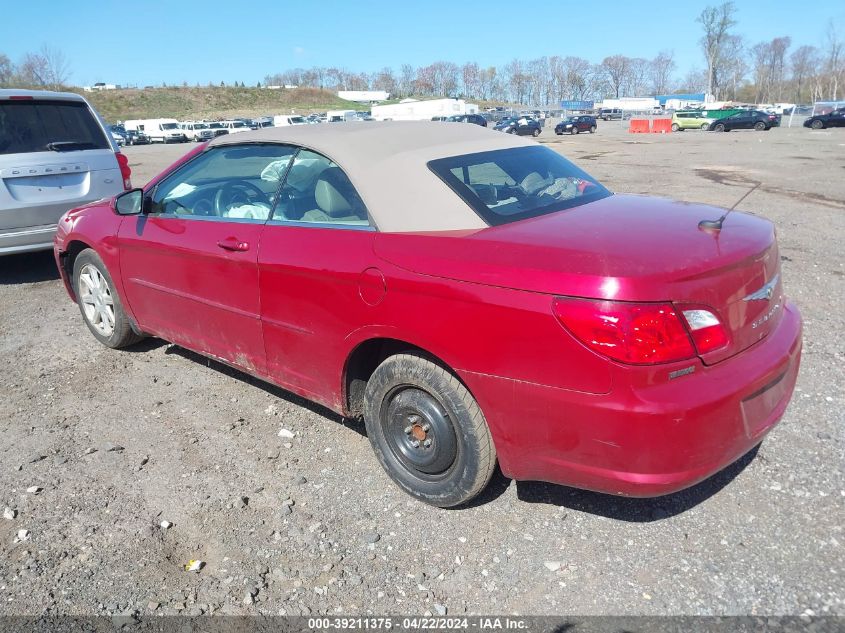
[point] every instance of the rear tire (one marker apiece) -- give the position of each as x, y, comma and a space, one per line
99, 303
427, 431
759, 126
593, 129
536, 132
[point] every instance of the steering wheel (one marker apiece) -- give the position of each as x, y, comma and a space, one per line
236, 191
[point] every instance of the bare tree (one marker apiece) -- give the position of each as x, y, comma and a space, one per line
406, 80
385, 80
716, 22
732, 68
57, 66
661, 71
834, 64
616, 71
470, 77
803, 63
32, 71
7, 70
517, 81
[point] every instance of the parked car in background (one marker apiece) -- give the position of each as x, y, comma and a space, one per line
158, 130
746, 120
118, 134
646, 359
440, 118
55, 153
577, 124
196, 131
477, 119
836, 118
218, 128
610, 114
235, 126
690, 120
289, 119
134, 137
523, 126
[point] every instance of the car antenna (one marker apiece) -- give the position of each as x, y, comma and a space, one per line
716, 225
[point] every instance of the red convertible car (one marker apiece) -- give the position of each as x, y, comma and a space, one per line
475, 297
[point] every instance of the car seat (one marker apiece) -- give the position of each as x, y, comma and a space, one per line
336, 199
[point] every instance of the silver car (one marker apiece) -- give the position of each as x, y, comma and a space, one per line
55, 154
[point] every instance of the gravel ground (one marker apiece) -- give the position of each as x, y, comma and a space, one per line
99, 447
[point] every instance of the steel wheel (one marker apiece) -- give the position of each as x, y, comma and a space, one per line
419, 432
427, 431
96, 300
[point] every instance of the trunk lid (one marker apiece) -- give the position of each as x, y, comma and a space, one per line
624, 248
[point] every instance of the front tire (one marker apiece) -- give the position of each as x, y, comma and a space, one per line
427, 431
574, 130
719, 128
817, 125
705, 126
675, 127
99, 302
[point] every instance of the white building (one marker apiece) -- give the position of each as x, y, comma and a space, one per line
364, 96
414, 110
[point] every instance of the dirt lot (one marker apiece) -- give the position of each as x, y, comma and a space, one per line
119, 441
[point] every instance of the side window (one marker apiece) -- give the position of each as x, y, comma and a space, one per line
317, 191
226, 182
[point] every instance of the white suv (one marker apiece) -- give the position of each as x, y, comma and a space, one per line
197, 131
55, 154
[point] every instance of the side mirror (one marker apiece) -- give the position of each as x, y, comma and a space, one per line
129, 203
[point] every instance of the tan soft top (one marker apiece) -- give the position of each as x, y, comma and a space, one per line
387, 164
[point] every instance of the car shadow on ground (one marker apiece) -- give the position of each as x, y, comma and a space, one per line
273, 390
27, 268
628, 508
610, 506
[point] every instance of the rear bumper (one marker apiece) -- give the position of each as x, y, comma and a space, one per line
27, 240
644, 440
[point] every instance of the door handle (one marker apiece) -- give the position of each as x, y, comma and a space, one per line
233, 244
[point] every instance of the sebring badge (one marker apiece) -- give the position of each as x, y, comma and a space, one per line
765, 293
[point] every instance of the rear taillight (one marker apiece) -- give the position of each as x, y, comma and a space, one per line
707, 331
633, 333
125, 171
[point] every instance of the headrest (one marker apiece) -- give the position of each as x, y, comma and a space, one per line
333, 192
533, 182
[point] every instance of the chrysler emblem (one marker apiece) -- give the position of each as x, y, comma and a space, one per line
765, 293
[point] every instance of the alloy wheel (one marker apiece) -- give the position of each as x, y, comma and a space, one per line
97, 300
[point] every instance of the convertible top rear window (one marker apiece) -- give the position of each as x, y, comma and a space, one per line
513, 184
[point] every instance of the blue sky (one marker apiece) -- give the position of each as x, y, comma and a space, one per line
149, 42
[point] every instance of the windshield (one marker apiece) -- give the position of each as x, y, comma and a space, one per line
169, 126
32, 125
297, 119
200, 126
239, 124
513, 184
